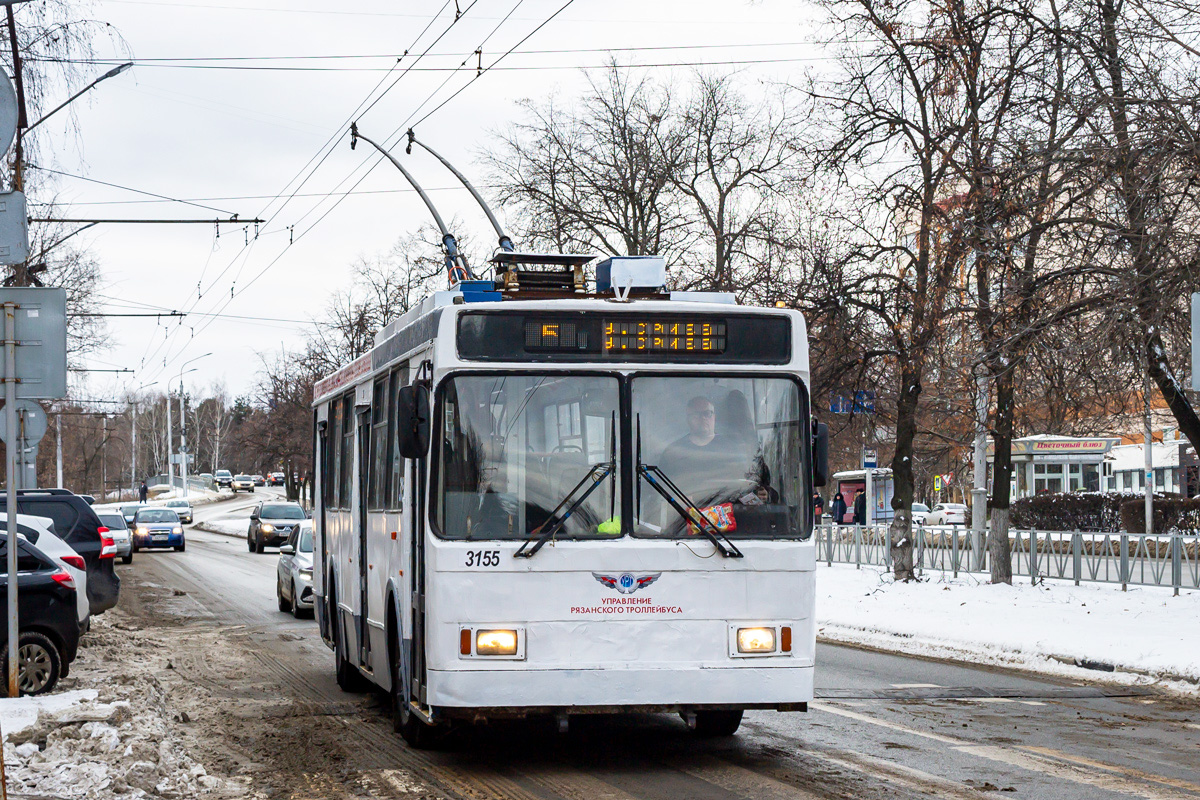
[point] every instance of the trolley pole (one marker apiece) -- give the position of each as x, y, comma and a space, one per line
10, 413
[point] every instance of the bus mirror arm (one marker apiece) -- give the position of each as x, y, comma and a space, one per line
820, 453
687, 509
548, 529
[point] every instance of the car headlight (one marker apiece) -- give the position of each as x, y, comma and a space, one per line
177, 529
496, 643
756, 640
141, 531
306, 572
267, 527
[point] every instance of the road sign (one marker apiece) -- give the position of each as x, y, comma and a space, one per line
9, 112
177, 458
34, 419
937, 483
14, 229
870, 458
41, 336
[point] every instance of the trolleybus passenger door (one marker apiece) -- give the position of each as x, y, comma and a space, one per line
360, 522
320, 495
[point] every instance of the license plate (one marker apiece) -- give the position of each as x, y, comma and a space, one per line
159, 537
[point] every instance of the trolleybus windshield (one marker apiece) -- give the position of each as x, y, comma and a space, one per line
734, 446
513, 447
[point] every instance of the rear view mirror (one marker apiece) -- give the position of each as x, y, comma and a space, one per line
820, 454
412, 421
287, 550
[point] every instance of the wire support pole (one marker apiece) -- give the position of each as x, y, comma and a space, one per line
10, 414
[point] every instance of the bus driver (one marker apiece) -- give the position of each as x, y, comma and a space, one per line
705, 464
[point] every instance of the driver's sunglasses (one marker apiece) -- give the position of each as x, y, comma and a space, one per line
706, 414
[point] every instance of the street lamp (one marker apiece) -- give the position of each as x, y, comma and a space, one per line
112, 73
133, 431
183, 422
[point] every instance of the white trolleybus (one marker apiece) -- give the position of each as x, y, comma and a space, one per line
536, 498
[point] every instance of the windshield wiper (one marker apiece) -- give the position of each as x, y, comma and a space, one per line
684, 507
550, 528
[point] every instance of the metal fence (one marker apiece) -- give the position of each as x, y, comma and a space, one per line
1168, 560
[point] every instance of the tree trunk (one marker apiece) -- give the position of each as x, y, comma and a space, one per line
999, 551
902, 474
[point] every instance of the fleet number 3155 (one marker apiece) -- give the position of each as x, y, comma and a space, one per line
483, 558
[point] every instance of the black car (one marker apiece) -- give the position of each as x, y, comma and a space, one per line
47, 619
77, 524
272, 523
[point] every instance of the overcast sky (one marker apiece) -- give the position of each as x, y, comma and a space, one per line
234, 139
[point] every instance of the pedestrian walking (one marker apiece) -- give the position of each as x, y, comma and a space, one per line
839, 509
143, 492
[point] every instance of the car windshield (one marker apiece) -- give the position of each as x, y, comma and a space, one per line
512, 448
282, 512
129, 511
113, 521
305, 543
222, 473
156, 515
243, 478
919, 507
735, 447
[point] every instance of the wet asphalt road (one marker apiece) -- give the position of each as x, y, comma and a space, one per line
883, 726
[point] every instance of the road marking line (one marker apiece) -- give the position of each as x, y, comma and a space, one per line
1031, 703
1076, 774
917, 686
1192, 725
843, 712
1132, 772
924, 783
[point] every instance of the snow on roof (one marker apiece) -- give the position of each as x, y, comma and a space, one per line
1131, 457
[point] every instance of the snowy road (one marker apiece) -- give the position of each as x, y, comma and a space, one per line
262, 707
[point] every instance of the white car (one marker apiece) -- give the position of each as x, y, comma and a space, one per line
39, 531
114, 520
183, 508
293, 579
947, 514
920, 512
242, 483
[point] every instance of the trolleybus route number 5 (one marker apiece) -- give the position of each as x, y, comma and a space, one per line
483, 558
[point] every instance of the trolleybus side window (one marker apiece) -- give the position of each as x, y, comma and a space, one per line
380, 447
396, 380
514, 448
346, 465
333, 447
734, 447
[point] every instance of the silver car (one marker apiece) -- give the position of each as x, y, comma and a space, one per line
293, 578
183, 508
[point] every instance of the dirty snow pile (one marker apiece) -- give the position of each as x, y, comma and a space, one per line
1139, 636
229, 526
113, 740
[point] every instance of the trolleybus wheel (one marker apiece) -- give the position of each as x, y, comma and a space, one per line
349, 679
414, 730
717, 723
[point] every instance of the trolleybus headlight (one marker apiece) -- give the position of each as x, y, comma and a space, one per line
495, 643
756, 640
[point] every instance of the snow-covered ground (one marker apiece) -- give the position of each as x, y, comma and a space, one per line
1145, 634
108, 734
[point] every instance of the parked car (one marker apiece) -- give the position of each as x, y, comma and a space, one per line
919, 512
259, 480
47, 621
293, 581
242, 483
947, 514
39, 531
157, 527
223, 478
272, 523
76, 523
275, 478
119, 530
129, 510
183, 508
